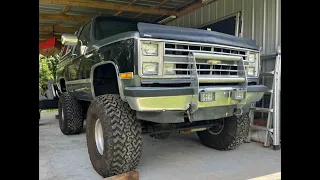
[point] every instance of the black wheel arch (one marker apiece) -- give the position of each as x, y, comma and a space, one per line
105, 79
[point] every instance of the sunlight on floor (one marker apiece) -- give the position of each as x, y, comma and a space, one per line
275, 176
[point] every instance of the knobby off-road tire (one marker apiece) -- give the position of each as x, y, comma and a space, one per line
235, 130
70, 114
122, 136
160, 136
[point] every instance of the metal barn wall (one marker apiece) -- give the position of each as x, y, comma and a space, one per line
261, 22
261, 19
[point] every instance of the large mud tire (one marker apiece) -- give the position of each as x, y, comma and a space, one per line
70, 114
234, 131
114, 136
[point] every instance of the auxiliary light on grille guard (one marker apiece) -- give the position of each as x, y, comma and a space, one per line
238, 94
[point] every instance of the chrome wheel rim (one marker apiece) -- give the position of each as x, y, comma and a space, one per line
217, 127
99, 136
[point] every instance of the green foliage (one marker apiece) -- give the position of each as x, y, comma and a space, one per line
47, 70
53, 65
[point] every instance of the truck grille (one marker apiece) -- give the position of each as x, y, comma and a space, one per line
176, 60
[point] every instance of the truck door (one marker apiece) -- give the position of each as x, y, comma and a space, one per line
76, 66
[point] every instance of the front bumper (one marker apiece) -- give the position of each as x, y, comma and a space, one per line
180, 98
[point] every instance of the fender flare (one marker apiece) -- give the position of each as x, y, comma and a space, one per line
120, 86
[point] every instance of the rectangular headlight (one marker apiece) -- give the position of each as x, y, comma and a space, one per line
150, 68
253, 65
149, 49
251, 58
251, 71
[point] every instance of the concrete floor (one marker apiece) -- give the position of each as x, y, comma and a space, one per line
178, 157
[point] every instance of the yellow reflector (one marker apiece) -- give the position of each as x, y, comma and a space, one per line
128, 75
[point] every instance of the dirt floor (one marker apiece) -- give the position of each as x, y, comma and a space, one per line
178, 157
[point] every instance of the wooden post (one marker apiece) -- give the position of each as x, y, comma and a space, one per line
131, 175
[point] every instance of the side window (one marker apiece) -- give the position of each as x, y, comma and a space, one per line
84, 37
63, 51
106, 28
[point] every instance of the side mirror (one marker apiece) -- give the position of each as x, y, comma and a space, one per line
69, 39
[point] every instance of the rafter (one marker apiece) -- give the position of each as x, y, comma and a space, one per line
48, 36
65, 9
183, 5
110, 6
191, 8
133, 2
56, 28
57, 17
154, 7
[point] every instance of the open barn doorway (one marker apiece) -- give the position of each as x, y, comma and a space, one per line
229, 25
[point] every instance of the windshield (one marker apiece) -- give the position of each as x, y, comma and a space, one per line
104, 27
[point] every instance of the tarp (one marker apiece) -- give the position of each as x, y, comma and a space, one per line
50, 47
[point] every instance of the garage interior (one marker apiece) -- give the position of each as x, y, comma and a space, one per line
259, 20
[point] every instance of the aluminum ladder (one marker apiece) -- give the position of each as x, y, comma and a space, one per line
273, 121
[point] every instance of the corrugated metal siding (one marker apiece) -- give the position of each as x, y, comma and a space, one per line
259, 23
246, 9
253, 19
271, 26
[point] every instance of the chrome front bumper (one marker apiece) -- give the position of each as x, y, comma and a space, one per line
147, 99
180, 98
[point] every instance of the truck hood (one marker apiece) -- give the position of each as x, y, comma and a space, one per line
147, 30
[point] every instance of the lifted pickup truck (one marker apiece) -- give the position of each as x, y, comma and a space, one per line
130, 78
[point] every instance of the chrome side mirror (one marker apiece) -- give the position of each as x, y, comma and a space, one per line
69, 39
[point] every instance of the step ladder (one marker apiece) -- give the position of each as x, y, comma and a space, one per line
273, 121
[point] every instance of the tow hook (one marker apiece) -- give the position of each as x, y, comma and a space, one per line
238, 111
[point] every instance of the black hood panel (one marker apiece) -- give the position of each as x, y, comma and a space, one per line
156, 31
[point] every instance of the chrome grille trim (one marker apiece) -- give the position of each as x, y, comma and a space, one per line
227, 67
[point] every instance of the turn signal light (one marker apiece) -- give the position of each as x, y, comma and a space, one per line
128, 75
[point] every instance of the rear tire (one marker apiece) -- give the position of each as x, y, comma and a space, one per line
114, 136
70, 115
228, 137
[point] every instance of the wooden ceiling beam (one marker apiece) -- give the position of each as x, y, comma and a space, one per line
61, 17
130, 4
191, 8
154, 7
110, 6
183, 6
48, 36
55, 28
65, 9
